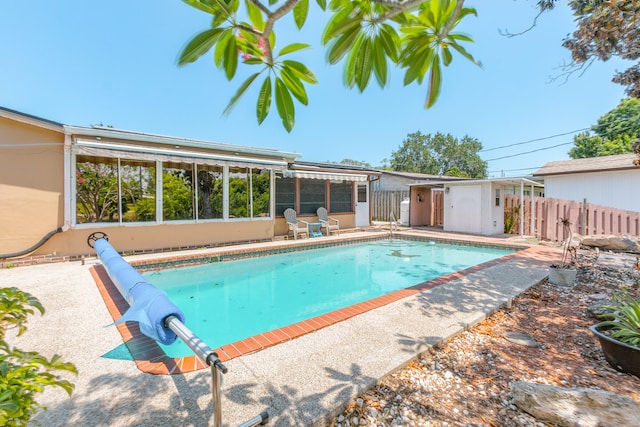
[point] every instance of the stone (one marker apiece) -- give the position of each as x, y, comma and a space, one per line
582, 407
521, 339
623, 242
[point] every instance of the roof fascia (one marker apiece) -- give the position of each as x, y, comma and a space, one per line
99, 132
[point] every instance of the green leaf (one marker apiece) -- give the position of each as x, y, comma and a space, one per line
198, 4
231, 58
379, 62
241, 90
446, 56
264, 100
300, 70
300, 12
322, 4
221, 46
435, 83
363, 64
284, 103
294, 85
294, 47
466, 54
339, 23
255, 15
199, 45
253, 61
342, 45
390, 42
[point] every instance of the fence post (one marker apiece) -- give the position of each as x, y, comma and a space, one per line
585, 206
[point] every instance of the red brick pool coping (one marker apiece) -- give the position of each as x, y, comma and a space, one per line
150, 358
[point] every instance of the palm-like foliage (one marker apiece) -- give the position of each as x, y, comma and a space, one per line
623, 319
366, 34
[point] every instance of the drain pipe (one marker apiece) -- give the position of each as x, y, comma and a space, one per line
37, 245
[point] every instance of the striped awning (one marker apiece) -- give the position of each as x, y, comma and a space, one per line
331, 176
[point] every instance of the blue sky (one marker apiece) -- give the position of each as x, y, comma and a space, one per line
83, 63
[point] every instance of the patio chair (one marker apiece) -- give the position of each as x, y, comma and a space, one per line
296, 225
328, 223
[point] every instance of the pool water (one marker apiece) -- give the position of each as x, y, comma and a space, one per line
229, 301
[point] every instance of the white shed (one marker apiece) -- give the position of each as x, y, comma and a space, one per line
474, 206
606, 181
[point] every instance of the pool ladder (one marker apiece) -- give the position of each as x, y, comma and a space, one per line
393, 224
208, 356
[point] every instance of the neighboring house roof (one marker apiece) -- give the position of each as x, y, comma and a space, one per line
337, 171
30, 119
506, 181
591, 164
420, 176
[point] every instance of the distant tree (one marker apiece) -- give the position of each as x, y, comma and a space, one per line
439, 155
614, 133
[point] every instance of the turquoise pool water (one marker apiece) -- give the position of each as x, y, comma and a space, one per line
229, 301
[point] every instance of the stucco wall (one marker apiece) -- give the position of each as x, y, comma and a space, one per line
31, 184
612, 189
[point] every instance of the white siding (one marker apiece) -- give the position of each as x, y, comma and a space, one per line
611, 189
462, 209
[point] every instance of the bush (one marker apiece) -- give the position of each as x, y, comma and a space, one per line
23, 374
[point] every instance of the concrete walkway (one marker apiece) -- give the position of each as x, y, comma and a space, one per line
305, 381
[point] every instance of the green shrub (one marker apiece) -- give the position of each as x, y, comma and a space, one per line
24, 374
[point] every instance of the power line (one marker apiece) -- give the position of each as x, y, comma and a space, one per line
529, 152
532, 140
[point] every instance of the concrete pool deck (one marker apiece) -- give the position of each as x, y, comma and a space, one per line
304, 381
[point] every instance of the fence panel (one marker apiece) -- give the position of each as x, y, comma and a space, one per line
585, 220
383, 203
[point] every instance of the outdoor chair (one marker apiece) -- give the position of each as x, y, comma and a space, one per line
328, 223
296, 225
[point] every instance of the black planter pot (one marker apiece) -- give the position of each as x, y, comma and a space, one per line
622, 357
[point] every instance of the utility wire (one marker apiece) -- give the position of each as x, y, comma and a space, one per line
630, 119
532, 140
529, 152
564, 143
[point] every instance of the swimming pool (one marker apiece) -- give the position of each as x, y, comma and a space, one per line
225, 302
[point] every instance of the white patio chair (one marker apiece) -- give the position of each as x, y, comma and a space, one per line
328, 223
296, 225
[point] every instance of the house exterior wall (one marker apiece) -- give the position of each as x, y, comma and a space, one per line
37, 175
610, 188
392, 183
31, 184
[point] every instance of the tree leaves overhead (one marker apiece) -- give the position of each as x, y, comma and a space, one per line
363, 33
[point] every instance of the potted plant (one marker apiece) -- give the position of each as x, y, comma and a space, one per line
564, 273
619, 333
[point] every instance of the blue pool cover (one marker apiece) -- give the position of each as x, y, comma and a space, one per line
149, 306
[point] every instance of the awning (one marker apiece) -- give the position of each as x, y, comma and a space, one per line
331, 176
137, 152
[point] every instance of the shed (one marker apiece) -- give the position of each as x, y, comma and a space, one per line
472, 206
605, 181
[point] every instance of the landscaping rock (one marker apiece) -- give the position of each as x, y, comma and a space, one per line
582, 407
623, 242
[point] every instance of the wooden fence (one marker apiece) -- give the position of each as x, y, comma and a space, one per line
383, 203
585, 218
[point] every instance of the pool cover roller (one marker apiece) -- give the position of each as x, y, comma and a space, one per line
149, 306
